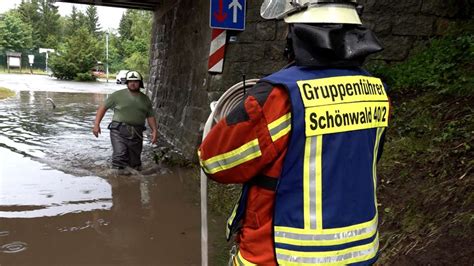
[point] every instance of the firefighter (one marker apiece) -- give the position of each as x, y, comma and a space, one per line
131, 109
305, 143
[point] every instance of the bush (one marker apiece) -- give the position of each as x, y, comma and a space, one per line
78, 55
445, 65
87, 76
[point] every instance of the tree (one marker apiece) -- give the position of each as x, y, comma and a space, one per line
48, 26
92, 20
135, 36
29, 14
77, 56
74, 22
125, 26
15, 35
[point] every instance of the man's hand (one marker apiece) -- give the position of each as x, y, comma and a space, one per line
154, 136
96, 131
154, 131
98, 117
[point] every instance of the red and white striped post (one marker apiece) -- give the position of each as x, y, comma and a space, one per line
217, 51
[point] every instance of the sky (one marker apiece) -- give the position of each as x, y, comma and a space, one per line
109, 17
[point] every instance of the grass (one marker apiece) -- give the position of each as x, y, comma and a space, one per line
6, 93
23, 71
426, 187
426, 174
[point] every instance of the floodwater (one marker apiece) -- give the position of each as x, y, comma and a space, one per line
61, 204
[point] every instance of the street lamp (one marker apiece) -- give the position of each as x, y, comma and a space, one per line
107, 55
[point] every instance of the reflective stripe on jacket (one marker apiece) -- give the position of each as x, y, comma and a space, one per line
251, 142
325, 206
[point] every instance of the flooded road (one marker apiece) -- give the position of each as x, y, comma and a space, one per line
59, 201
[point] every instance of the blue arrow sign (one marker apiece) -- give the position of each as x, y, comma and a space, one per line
227, 14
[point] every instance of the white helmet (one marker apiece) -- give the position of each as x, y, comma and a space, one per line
311, 11
134, 75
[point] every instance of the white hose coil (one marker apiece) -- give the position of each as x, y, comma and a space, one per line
220, 109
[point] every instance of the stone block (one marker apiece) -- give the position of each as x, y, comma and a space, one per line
248, 35
382, 7
265, 68
395, 48
266, 31
282, 30
381, 25
415, 25
253, 14
443, 26
444, 8
274, 50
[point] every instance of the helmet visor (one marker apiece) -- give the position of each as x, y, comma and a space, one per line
274, 9
279, 9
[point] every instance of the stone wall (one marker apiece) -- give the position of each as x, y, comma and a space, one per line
182, 89
178, 72
400, 25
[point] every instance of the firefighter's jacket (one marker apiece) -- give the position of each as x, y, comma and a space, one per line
324, 210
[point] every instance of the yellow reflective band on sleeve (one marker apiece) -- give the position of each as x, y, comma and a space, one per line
339, 257
345, 117
345, 89
244, 153
241, 261
326, 237
280, 127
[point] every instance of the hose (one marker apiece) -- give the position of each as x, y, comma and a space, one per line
226, 103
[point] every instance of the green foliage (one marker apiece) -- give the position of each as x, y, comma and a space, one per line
36, 23
49, 27
116, 61
125, 27
78, 55
15, 35
5, 93
86, 76
135, 31
426, 185
29, 14
92, 20
445, 65
43, 18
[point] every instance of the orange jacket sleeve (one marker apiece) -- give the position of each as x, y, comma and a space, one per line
250, 139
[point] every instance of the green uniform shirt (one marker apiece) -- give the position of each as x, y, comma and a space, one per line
129, 108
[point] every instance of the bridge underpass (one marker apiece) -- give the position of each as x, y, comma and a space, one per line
144, 4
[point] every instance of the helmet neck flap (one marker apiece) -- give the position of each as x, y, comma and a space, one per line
331, 45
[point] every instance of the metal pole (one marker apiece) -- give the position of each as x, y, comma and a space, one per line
107, 54
46, 61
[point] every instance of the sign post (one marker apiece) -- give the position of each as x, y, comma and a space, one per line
13, 60
47, 51
224, 15
31, 59
227, 14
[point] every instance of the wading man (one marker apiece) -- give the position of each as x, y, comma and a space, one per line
305, 143
131, 109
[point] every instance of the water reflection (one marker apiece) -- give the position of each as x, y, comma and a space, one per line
44, 150
61, 204
13, 247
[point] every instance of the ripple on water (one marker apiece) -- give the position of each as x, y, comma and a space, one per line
14, 247
4, 233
